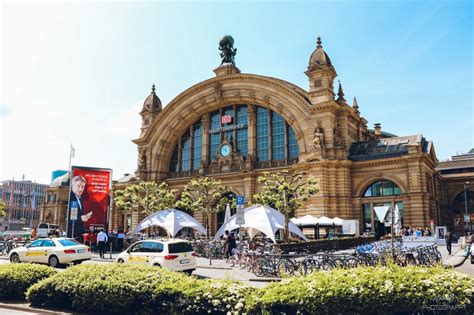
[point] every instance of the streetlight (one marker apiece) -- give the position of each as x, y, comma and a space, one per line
465, 205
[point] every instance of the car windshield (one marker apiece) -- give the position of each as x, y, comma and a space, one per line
69, 242
175, 248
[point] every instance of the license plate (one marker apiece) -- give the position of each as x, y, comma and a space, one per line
81, 250
185, 261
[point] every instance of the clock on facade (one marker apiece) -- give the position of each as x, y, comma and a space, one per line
225, 150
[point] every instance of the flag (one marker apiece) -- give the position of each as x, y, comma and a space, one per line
73, 151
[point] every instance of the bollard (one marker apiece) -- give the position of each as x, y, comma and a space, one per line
110, 250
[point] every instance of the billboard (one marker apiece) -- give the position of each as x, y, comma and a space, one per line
89, 200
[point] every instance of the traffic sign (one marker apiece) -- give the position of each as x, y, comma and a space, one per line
240, 200
73, 214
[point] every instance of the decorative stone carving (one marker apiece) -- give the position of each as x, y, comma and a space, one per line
318, 139
218, 92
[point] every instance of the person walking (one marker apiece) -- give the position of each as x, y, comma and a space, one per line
101, 241
469, 240
229, 244
449, 241
120, 239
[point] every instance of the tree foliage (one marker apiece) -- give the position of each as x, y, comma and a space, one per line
2, 208
203, 194
146, 197
286, 191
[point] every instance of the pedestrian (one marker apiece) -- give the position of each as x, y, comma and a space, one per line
469, 240
101, 241
449, 241
229, 244
87, 238
120, 239
93, 241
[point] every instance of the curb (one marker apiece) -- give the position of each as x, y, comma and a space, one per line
31, 310
213, 267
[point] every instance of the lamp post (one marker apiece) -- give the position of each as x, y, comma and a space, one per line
465, 205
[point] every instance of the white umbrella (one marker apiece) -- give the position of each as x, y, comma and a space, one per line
227, 213
338, 221
171, 220
307, 220
262, 218
325, 221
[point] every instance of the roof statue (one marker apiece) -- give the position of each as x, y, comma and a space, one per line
228, 52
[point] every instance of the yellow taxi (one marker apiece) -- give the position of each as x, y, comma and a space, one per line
52, 251
176, 255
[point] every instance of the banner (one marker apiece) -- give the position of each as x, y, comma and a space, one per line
89, 200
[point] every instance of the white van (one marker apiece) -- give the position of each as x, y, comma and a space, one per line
44, 229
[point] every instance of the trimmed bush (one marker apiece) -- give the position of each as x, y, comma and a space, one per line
122, 288
15, 279
369, 290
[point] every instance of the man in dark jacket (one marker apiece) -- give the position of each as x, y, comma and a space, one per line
229, 244
449, 241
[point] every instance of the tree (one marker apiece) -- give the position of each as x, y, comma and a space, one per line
146, 197
286, 191
2, 208
203, 194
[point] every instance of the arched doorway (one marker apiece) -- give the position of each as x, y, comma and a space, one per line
380, 193
462, 202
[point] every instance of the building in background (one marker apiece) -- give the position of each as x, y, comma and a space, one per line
54, 209
23, 200
457, 191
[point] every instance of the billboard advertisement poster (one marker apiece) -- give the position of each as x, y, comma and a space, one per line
89, 200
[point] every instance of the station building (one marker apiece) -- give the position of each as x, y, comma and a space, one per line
234, 126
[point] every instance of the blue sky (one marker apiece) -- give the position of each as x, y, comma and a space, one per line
78, 72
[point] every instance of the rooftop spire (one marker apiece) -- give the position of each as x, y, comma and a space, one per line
340, 93
319, 42
153, 89
355, 105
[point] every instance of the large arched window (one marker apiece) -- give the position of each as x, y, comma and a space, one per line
274, 141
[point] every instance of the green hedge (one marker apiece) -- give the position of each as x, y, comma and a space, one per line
126, 289
15, 279
369, 290
122, 288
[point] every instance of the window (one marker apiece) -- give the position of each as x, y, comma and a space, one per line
49, 243
383, 188
69, 242
37, 243
186, 149
278, 137
263, 132
174, 160
175, 248
197, 145
136, 248
275, 140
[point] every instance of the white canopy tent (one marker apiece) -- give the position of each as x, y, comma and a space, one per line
260, 219
337, 221
325, 221
307, 220
171, 220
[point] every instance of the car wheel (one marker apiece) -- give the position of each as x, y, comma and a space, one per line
188, 272
53, 261
14, 259
120, 261
157, 265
